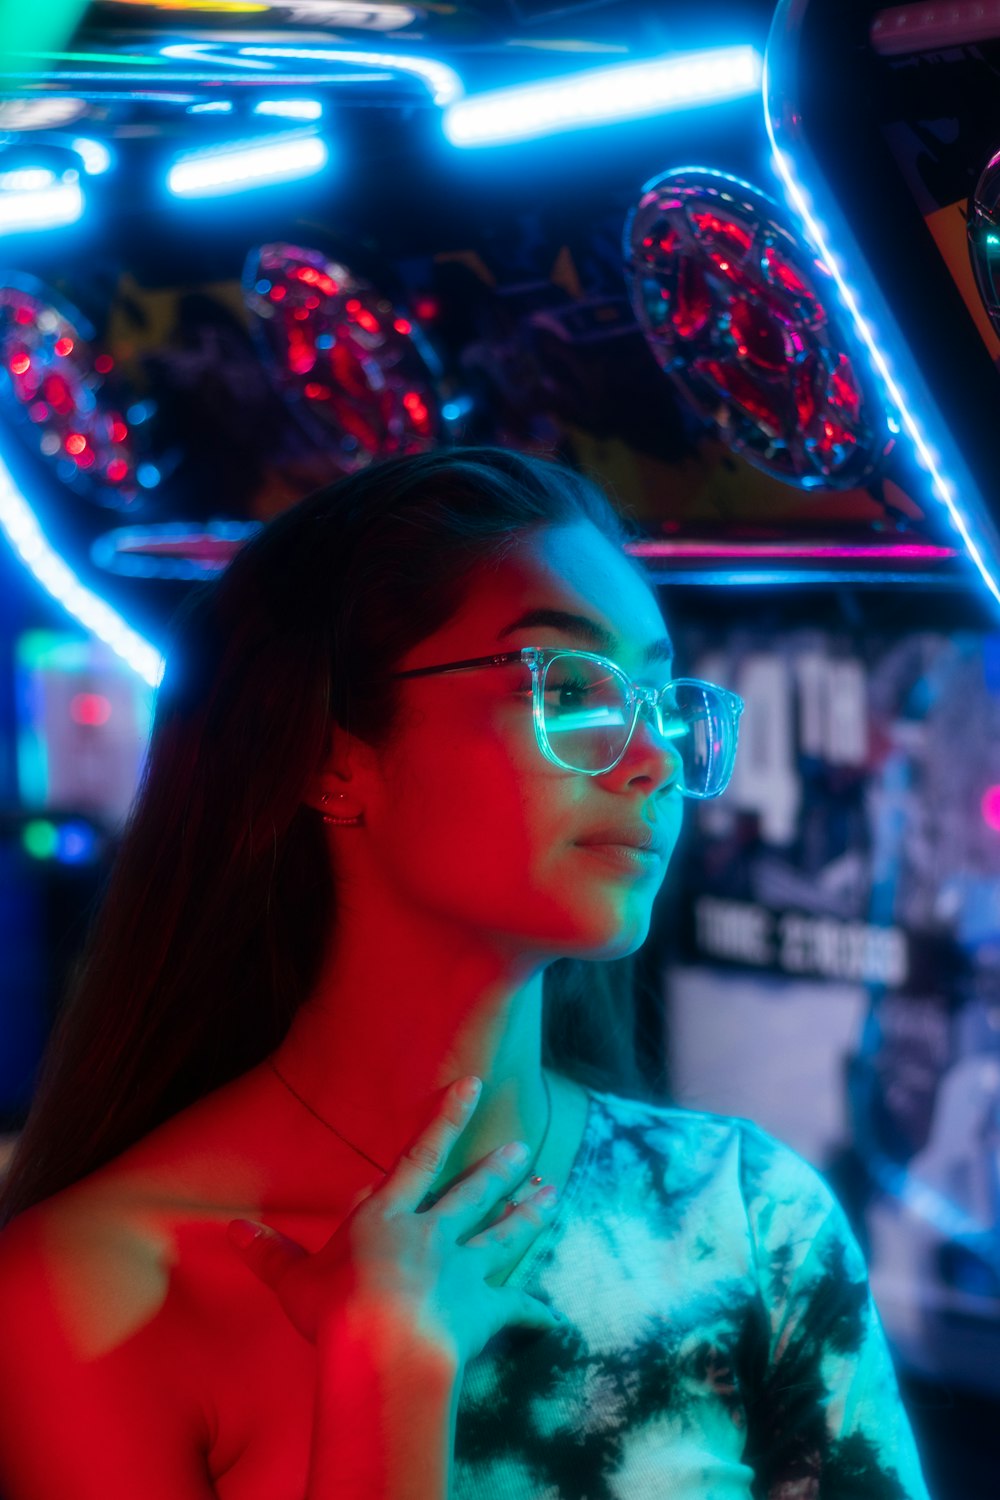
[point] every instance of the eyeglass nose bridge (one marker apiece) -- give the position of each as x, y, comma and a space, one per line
648, 700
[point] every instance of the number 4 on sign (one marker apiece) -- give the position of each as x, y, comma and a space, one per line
765, 779
833, 709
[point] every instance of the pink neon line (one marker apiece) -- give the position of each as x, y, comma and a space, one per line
888, 552
902, 29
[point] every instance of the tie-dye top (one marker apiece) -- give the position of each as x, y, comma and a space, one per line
720, 1339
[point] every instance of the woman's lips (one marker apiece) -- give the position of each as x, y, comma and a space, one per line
625, 857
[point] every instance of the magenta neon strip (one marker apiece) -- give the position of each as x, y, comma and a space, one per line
886, 552
902, 29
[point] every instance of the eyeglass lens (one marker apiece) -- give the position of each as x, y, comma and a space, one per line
587, 718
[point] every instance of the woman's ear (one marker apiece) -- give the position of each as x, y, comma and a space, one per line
343, 782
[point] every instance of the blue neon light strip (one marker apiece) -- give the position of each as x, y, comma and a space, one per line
752, 577
240, 165
112, 550
442, 82
602, 96
41, 207
290, 109
943, 487
20, 526
95, 155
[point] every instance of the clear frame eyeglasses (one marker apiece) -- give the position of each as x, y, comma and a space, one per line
585, 709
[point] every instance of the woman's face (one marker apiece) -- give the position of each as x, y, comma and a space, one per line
472, 824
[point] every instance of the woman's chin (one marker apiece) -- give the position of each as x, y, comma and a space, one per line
610, 935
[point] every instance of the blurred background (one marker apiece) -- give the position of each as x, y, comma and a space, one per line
736, 261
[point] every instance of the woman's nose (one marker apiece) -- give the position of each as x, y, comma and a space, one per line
660, 745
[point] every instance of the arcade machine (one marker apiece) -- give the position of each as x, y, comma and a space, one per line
853, 869
246, 249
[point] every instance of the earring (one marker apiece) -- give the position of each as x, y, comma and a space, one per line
330, 818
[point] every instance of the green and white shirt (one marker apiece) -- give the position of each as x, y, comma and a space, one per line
720, 1338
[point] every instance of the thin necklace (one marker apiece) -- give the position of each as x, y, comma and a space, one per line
430, 1199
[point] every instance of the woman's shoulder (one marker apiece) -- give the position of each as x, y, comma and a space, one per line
669, 1122
89, 1331
156, 1210
98, 1256
761, 1166
116, 1226
114, 1271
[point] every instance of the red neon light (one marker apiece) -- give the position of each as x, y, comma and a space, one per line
89, 708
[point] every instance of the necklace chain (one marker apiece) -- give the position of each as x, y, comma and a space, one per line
512, 1200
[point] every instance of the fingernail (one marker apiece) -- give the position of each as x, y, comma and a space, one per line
469, 1089
242, 1232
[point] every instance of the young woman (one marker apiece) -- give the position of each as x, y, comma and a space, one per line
407, 757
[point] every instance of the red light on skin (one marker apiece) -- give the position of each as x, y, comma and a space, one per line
89, 708
20, 364
402, 326
64, 346
75, 443
103, 363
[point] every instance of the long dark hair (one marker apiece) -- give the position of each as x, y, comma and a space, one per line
212, 924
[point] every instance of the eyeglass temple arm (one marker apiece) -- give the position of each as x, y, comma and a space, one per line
459, 666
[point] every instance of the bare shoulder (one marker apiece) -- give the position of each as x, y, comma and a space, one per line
128, 1256
103, 1269
86, 1333
86, 1267
124, 1308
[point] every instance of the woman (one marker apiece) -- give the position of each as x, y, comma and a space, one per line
382, 817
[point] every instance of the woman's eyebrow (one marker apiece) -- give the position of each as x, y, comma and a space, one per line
597, 635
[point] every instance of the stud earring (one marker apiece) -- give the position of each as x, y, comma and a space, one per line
331, 818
